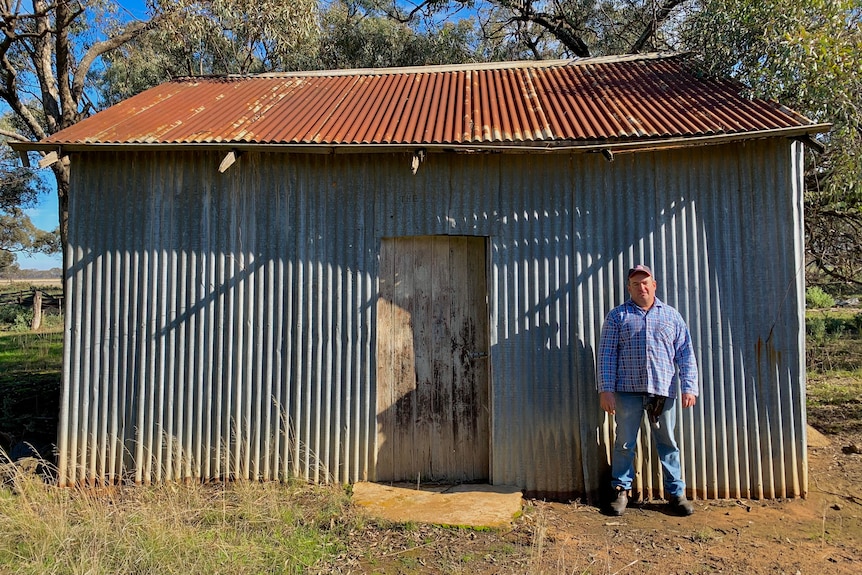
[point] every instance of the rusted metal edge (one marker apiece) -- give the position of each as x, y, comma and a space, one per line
547, 147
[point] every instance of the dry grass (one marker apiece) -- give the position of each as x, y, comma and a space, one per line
237, 528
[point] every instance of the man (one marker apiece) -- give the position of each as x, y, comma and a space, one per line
643, 341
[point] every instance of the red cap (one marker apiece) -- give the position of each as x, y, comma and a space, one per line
640, 269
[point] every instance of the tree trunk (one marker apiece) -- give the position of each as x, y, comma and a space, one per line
62, 175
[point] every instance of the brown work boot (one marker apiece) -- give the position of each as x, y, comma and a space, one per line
681, 506
619, 502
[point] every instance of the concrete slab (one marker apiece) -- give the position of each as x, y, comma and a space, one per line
477, 506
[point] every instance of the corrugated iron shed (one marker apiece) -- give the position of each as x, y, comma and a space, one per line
229, 324
552, 104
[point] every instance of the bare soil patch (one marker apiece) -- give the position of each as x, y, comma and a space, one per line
819, 534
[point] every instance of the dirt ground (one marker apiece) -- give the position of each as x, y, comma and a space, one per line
821, 534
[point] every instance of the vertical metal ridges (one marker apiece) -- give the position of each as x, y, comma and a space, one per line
223, 325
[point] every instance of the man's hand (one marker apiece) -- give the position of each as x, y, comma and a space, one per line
688, 400
608, 401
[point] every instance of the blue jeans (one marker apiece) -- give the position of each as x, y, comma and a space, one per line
629, 414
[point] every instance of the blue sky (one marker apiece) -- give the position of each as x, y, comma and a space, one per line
44, 216
136, 7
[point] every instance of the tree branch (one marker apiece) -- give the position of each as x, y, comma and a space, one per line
560, 28
660, 16
43, 63
14, 136
11, 97
68, 105
131, 32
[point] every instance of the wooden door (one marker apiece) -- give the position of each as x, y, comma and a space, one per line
433, 410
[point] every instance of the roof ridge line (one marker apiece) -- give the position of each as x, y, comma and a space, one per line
442, 68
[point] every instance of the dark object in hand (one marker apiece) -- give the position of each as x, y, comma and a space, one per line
654, 407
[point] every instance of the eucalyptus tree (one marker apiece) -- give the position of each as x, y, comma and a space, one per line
51, 51
47, 48
539, 29
806, 54
20, 187
361, 34
233, 38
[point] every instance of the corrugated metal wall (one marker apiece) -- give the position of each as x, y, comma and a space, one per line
222, 325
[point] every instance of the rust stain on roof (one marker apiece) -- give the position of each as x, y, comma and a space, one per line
521, 103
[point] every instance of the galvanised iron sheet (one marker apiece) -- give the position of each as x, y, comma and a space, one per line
223, 325
536, 104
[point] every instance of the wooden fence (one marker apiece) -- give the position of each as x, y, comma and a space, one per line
36, 299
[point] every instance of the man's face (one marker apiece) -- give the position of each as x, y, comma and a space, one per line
642, 289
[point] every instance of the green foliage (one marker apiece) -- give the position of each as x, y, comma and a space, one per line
535, 29
353, 38
834, 341
806, 54
835, 326
815, 297
834, 364
203, 37
17, 317
48, 50
821, 326
17, 233
815, 328
16, 310
197, 38
704, 535
20, 188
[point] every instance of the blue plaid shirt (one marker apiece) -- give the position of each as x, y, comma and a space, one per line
639, 351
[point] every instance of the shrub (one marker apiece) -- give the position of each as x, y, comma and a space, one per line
835, 325
15, 317
816, 297
815, 328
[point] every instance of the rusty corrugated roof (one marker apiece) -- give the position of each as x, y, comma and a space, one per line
516, 104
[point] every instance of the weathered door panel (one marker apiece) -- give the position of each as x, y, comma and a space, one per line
432, 343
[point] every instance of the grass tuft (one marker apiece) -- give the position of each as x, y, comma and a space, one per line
240, 527
835, 401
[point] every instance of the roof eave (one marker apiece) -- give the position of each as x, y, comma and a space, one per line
514, 147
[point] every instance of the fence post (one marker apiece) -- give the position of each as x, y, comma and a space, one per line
37, 310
